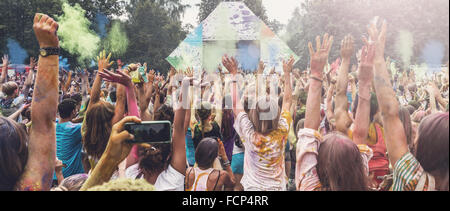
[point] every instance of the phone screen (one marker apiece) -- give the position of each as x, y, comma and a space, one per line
150, 132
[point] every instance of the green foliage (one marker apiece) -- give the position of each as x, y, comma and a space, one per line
256, 6
152, 33
424, 19
17, 20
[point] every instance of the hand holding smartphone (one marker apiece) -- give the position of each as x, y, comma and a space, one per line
153, 132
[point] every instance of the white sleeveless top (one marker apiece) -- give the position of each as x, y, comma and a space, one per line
200, 179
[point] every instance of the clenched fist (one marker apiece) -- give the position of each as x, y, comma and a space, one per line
45, 29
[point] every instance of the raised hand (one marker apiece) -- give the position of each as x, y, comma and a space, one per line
367, 62
287, 66
172, 72
5, 60
378, 39
103, 61
189, 72
45, 30
231, 64
119, 77
261, 68
319, 56
33, 63
119, 64
347, 47
151, 76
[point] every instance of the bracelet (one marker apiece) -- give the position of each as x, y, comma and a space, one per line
364, 98
225, 164
315, 78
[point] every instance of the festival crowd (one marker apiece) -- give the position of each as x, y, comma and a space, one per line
339, 127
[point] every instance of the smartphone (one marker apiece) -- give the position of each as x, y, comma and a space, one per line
153, 132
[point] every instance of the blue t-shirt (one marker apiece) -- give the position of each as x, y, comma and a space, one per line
68, 148
190, 150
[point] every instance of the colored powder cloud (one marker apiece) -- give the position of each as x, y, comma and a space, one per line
101, 21
248, 55
17, 54
117, 40
433, 54
75, 35
404, 47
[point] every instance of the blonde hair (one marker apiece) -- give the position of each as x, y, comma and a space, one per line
9, 88
124, 185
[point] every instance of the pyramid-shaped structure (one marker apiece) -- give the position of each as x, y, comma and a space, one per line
232, 29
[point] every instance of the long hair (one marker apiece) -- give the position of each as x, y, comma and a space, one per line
340, 166
203, 114
265, 116
227, 120
155, 158
407, 126
98, 128
13, 153
206, 153
432, 145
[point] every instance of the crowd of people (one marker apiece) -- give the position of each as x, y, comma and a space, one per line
340, 127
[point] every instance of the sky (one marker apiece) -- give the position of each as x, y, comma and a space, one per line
280, 10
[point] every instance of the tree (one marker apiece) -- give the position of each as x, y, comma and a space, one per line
153, 34
425, 19
17, 19
275, 26
256, 6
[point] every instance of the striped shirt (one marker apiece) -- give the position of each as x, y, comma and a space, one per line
407, 173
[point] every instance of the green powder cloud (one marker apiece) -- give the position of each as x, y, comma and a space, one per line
74, 33
117, 41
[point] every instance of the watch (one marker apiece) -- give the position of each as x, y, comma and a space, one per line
44, 52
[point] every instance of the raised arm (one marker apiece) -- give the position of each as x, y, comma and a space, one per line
318, 61
362, 118
178, 161
145, 95
103, 63
42, 143
29, 81
232, 67
287, 96
68, 82
329, 100
4, 69
116, 151
343, 120
389, 106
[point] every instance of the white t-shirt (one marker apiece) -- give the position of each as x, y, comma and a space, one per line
264, 165
168, 180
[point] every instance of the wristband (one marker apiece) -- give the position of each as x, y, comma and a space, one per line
315, 78
225, 164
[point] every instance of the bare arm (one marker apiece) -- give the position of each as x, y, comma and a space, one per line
4, 69
343, 121
42, 144
389, 106
178, 161
103, 63
362, 118
116, 151
330, 113
232, 67
318, 61
287, 96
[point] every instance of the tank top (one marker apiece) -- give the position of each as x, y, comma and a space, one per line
379, 160
201, 179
